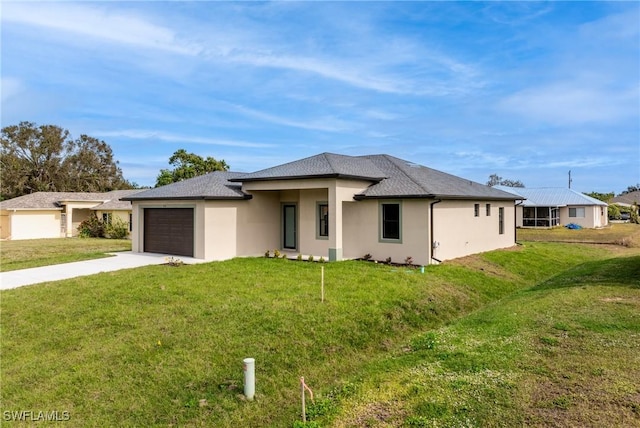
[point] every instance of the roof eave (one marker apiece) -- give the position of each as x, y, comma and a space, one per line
190, 198
361, 196
304, 177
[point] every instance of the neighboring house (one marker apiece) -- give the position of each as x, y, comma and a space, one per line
58, 214
628, 199
329, 205
550, 207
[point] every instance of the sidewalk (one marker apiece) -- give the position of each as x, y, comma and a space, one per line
124, 260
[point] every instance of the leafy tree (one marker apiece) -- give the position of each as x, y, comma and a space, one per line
604, 197
188, 165
495, 180
45, 158
631, 189
90, 166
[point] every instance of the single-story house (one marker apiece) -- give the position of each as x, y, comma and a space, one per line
628, 199
58, 214
550, 207
329, 205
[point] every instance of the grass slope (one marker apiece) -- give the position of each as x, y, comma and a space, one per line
30, 253
163, 346
562, 353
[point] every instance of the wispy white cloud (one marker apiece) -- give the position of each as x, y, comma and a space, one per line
328, 124
98, 22
584, 162
492, 159
139, 134
10, 87
571, 103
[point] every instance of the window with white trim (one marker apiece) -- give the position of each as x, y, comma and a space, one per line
577, 212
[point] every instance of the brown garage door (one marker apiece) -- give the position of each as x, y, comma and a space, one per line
168, 231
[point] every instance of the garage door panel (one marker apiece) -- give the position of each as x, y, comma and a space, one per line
169, 231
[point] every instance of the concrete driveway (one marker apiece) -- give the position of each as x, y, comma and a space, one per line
124, 260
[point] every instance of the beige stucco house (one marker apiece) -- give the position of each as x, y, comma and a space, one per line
550, 207
328, 205
58, 214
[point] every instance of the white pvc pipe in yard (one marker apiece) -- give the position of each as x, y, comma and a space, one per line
249, 378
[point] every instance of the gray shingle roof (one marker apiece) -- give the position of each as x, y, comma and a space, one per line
55, 200
215, 185
628, 198
390, 177
552, 197
409, 180
114, 203
324, 165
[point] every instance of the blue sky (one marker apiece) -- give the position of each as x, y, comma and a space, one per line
527, 90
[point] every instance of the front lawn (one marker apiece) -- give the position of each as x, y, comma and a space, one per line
30, 253
163, 345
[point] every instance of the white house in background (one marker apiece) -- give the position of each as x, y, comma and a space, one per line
549, 207
58, 214
329, 205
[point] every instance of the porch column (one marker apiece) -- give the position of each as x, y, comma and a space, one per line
69, 229
335, 224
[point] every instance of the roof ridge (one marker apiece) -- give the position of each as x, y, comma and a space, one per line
392, 159
331, 166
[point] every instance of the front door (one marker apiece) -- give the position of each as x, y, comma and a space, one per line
289, 226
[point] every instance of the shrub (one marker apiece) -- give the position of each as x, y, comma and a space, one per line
367, 257
408, 260
388, 260
310, 258
116, 229
276, 254
91, 228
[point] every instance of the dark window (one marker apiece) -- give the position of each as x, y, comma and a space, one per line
501, 221
130, 222
390, 221
476, 210
488, 209
323, 220
576, 212
106, 218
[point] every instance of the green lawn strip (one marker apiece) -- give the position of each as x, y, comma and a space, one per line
164, 345
25, 254
627, 234
563, 353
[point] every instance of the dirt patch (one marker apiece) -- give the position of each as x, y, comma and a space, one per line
478, 263
565, 403
387, 414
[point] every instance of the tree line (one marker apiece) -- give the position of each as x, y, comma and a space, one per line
46, 159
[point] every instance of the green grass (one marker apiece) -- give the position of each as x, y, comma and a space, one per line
30, 253
627, 234
561, 353
144, 347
